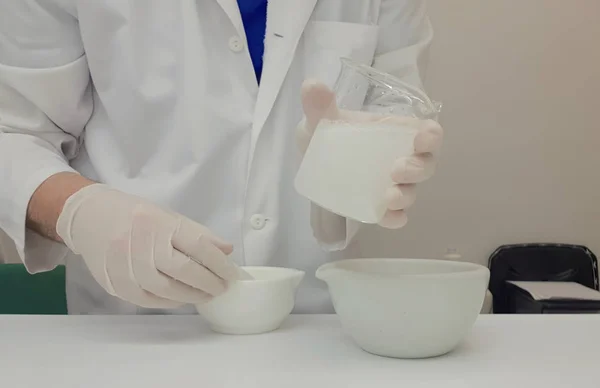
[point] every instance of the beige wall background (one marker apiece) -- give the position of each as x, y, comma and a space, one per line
520, 82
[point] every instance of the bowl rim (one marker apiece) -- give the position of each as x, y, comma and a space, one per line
471, 269
287, 273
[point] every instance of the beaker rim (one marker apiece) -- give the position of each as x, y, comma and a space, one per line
390, 81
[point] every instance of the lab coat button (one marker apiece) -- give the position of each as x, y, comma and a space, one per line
235, 44
258, 221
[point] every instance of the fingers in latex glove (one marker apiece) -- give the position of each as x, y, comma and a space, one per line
158, 274
413, 169
410, 170
144, 254
163, 270
400, 197
318, 102
429, 138
126, 287
421, 165
394, 219
206, 249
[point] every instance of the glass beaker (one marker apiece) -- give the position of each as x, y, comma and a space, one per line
347, 166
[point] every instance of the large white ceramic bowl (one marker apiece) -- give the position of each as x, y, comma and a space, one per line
254, 306
406, 308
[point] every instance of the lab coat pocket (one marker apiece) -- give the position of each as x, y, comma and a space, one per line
326, 42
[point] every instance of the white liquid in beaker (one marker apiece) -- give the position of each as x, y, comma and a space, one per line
347, 166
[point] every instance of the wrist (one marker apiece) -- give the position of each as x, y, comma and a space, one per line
47, 202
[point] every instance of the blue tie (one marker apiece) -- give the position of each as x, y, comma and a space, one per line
254, 17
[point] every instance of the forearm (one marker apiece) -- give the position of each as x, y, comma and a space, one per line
48, 200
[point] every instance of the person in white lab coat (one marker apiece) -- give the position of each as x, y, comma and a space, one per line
137, 145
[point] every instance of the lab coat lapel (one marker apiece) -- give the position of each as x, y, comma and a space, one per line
286, 20
233, 12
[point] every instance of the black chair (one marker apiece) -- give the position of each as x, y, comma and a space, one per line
541, 262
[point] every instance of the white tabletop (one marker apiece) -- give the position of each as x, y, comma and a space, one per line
308, 351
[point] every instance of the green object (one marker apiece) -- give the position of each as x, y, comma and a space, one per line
24, 293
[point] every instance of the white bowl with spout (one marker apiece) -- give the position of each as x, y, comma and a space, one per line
406, 308
254, 306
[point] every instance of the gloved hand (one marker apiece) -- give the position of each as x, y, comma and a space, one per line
141, 253
318, 102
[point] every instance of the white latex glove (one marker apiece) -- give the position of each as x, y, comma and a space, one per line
141, 253
318, 102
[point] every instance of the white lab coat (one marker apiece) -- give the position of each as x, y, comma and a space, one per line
173, 112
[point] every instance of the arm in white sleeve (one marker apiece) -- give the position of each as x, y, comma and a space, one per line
405, 34
45, 102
